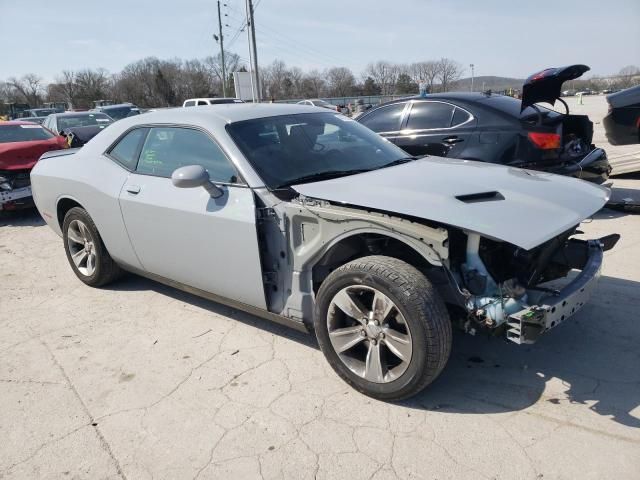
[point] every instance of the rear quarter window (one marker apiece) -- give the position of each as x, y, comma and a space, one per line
127, 150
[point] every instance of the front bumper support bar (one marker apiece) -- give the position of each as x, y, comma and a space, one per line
525, 326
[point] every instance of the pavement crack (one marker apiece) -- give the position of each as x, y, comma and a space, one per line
103, 441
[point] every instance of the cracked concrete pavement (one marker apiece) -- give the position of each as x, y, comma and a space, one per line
140, 381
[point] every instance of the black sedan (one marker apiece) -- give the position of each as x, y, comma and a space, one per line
622, 124
77, 127
497, 128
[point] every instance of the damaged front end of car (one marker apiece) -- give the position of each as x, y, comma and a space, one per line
507, 290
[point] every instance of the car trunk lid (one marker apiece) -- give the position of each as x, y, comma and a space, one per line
546, 86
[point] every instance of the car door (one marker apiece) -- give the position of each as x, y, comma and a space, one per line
385, 120
435, 128
183, 234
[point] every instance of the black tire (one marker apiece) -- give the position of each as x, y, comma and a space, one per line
415, 298
105, 270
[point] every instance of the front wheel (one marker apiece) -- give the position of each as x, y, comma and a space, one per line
382, 327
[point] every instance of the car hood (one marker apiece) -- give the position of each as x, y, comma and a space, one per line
522, 207
546, 86
24, 155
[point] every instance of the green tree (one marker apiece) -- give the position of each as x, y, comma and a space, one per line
404, 84
370, 87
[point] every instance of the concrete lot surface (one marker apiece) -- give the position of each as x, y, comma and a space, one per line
140, 381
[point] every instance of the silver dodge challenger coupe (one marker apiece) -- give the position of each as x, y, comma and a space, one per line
307, 218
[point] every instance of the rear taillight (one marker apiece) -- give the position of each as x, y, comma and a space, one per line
545, 141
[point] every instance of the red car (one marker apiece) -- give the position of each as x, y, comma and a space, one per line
21, 144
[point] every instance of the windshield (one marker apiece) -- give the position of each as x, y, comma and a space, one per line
118, 113
42, 112
83, 120
23, 133
289, 149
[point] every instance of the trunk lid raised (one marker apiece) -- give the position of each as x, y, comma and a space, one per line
546, 86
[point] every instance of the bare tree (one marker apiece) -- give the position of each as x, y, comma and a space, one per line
449, 71
424, 72
314, 84
627, 76
273, 77
341, 81
232, 63
384, 74
29, 87
195, 80
65, 88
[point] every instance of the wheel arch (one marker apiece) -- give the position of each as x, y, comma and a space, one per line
365, 242
63, 205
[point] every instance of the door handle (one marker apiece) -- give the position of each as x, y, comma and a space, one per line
452, 140
134, 189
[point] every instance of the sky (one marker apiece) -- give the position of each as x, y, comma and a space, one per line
506, 38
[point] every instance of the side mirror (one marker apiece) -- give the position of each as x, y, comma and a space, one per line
195, 176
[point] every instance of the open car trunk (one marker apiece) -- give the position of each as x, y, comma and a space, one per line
556, 142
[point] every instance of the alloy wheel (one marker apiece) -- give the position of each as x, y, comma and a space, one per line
81, 247
369, 334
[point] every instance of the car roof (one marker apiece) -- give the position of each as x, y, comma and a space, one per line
118, 105
68, 114
460, 96
15, 122
221, 114
212, 98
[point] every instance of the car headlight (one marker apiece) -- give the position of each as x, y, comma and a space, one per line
5, 184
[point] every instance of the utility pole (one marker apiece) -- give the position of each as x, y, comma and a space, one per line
224, 72
253, 53
472, 65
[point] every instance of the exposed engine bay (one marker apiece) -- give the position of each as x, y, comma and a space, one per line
505, 286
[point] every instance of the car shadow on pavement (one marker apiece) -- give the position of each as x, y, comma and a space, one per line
592, 359
21, 218
132, 282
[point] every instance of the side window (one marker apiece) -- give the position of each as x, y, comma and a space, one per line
169, 148
428, 115
127, 149
202, 102
190, 103
459, 116
384, 119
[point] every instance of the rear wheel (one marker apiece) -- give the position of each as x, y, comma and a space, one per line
85, 250
382, 327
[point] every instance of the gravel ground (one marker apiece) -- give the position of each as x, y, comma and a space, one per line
140, 381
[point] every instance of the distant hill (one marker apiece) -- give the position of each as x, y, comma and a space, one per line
494, 83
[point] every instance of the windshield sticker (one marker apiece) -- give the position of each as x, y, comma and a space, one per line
30, 126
